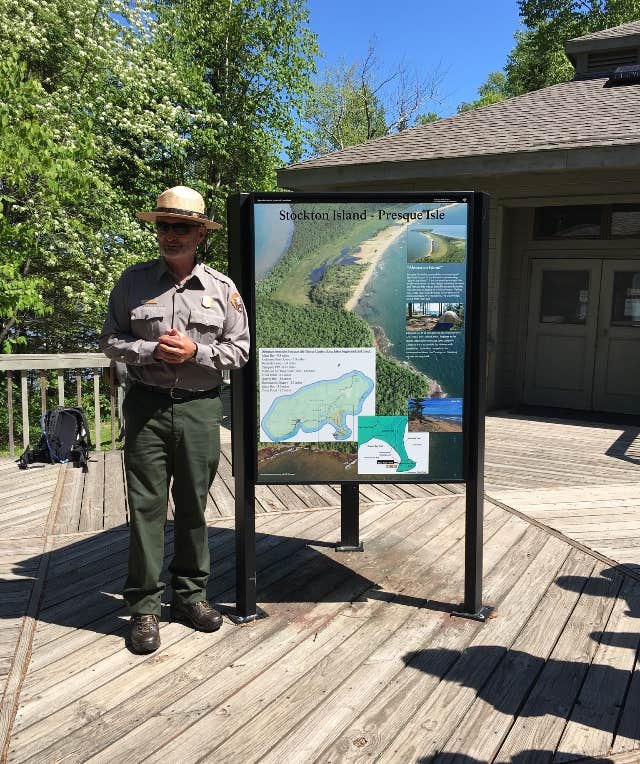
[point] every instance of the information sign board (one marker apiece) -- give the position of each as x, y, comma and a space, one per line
361, 328
367, 364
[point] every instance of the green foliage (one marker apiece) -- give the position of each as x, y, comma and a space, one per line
336, 285
248, 65
395, 384
538, 58
425, 119
344, 111
103, 105
279, 325
356, 102
494, 90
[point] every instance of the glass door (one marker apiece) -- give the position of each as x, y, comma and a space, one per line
617, 368
561, 335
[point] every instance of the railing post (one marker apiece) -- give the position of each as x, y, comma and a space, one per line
24, 403
120, 402
60, 388
79, 387
96, 406
12, 450
43, 392
112, 407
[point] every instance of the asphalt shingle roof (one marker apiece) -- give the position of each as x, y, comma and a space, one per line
633, 27
571, 115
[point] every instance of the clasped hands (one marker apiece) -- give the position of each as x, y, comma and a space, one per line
175, 347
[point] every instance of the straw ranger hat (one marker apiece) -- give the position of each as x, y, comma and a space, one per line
180, 203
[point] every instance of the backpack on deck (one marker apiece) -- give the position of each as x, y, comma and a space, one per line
65, 438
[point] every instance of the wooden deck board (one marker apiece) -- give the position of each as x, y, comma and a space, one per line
539, 724
115, 504
605, 518
359, 658
118, 664
492, 713
92, 508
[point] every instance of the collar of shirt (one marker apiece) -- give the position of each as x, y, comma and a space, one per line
162, 269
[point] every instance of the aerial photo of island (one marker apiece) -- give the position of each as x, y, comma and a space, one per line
428, 245
334, 275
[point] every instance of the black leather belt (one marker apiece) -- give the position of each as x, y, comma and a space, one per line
177, 394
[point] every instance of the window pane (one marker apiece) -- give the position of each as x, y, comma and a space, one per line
565, 295
625, 220
625, 306
569, 222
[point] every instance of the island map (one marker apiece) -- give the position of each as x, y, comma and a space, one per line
315, 394
311, 407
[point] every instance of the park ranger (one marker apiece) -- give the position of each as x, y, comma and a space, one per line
176, 323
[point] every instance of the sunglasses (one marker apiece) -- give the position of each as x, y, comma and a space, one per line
182, 229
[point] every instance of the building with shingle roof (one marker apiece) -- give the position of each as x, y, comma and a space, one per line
562, 166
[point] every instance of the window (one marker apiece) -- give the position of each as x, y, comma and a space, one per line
564, 298
625, 305
583, 222
625, 220
588, 221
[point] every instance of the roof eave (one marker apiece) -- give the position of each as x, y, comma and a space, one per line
551, 160
604, 44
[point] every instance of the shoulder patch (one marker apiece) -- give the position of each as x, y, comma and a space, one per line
236, 302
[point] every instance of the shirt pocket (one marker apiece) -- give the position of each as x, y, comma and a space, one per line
205, 326
149, 321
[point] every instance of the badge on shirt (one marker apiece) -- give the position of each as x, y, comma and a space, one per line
207, 301
150, 301
236, 302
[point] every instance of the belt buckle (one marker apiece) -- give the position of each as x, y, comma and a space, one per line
174, 397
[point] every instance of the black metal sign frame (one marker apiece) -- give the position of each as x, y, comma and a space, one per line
245, 396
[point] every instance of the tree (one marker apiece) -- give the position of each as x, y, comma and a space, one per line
425, 119
353, 103
104, 104
538, 58
86, 128
492, 91
248, 61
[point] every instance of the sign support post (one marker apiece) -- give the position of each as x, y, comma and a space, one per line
243, 432
349, 519
475, 395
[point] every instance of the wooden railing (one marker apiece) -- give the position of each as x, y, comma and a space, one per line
88, 368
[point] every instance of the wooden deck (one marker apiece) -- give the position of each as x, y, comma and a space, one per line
359, 658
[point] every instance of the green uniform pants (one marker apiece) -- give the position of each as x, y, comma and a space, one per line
167, 439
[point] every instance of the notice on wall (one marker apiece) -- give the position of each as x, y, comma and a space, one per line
360, 327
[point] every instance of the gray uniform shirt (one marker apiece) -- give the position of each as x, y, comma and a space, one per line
147, 302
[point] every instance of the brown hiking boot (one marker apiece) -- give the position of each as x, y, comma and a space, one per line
200, 615
144, 636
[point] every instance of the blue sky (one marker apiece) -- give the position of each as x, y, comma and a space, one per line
466, 38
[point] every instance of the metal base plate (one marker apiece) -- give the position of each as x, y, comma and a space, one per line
239, 620
481, 615
348, 548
